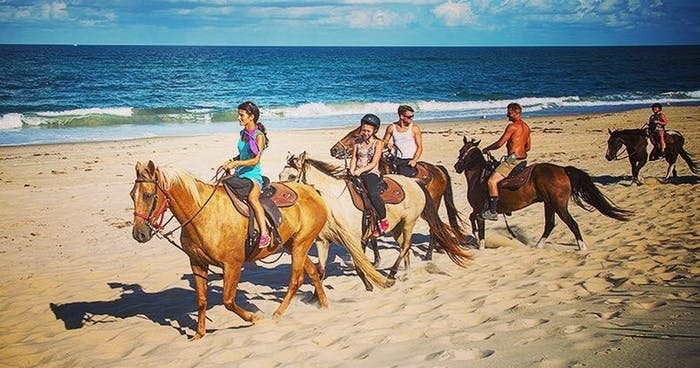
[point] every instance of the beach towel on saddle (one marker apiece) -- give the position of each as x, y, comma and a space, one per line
391, 193
273, 196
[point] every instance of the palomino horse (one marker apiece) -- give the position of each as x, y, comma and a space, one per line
635, 142
547, 183
214, 233
329, 180
439, 187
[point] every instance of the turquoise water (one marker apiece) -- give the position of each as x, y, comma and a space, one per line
52, 94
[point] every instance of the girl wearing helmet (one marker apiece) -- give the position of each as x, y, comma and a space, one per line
364, 163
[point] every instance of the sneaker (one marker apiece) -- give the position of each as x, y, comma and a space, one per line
488, 215
384, 225
264, 241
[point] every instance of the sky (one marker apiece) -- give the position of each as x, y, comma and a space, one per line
352, 22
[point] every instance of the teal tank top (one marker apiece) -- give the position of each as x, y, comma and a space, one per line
253, 173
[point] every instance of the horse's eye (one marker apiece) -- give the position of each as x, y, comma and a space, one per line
147, 196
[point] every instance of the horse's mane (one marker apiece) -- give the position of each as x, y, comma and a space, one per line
335, 171
174, 175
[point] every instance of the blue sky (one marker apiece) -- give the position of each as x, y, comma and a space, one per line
352, 22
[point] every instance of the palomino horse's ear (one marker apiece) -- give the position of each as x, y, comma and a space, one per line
151, 168
302, 156
138, 167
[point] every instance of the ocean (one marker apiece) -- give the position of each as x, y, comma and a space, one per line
76, 93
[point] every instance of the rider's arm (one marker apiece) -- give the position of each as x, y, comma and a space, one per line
388, 142
418, 137
527, 144
663, 120
501, 141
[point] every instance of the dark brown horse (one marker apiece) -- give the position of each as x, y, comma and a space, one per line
548, 183
635, 143
439, 187
214, 233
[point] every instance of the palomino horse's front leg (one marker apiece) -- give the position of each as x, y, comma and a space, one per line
201, 277
232, 275
299, 252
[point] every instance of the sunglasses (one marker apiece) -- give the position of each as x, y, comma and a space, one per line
408, 116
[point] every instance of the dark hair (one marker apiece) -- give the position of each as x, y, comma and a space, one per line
657, 105
251, 108
404, 108
372, 120
515, 107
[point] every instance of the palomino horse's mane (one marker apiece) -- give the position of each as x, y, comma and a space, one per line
335, 171
185, 179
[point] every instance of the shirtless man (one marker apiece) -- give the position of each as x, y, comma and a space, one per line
516, 137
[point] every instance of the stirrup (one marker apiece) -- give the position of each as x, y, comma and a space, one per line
488, 215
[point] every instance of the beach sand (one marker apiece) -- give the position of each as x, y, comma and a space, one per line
76, 290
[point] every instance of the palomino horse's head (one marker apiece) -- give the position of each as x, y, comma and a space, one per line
614, 144
344, 147
150, 201
469, 154
294, 168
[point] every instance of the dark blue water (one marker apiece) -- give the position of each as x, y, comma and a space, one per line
79, 93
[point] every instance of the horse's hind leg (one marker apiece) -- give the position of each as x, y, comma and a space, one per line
299, 250
310, 270
405, 244
200, 273
478, 229
565, 216
548, 225
322, 247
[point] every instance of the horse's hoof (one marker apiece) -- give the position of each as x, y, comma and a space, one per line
390, 282
196, 336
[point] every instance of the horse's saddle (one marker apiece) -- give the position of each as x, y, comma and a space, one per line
392, 194
518, 177
272, 197
423, 176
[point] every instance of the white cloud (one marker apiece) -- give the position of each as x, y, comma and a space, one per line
55, 10
455, 14
374, 19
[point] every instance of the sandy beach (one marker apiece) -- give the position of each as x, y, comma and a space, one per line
78, 291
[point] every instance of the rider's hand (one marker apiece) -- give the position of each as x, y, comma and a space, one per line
485, 150
412, 163
231, 164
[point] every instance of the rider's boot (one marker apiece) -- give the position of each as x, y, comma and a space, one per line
491, 213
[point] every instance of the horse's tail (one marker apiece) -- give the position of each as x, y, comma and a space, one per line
688, 158
341, 235
445, 235
452, 213
583, 191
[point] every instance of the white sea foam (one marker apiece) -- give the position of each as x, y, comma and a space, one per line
10, 121
116, 111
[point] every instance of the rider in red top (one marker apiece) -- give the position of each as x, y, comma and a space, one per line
657, 124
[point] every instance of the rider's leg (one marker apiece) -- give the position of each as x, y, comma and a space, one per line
662, 140
493, 181
254, 200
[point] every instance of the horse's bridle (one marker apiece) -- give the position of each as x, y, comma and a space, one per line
154, 218
617, 152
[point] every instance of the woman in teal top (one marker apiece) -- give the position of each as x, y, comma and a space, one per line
253, 140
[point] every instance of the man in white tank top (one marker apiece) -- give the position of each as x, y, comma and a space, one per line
404, 139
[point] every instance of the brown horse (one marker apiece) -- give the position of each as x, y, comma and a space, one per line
548, 183
635, 143
439, 187
214, 233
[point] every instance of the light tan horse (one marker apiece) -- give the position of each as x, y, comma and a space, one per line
214, 232
329, 180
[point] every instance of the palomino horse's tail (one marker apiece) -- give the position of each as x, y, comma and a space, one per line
688, 158
445, 235
583, 191
341, 235
452, 212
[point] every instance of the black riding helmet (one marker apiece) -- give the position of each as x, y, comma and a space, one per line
656, 105
372, 120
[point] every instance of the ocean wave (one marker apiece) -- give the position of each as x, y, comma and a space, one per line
324, 114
